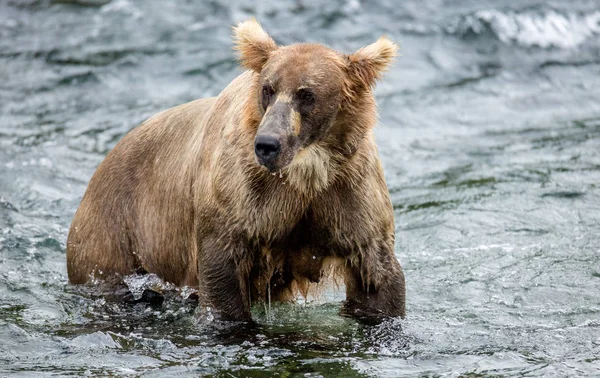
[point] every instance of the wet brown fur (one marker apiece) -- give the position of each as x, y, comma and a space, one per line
182, 195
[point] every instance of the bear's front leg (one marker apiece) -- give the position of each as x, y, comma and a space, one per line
375, 288
223, 281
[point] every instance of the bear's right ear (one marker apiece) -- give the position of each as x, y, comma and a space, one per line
253, 43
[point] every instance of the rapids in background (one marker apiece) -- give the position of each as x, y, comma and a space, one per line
490, 140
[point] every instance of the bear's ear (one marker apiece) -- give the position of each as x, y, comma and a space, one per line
253, 43
366, 65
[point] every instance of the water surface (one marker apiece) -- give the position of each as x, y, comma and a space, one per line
490, 140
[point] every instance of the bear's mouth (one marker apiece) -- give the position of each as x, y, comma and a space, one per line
275, 152
275, 166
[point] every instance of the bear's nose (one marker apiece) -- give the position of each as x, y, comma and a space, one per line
266, 148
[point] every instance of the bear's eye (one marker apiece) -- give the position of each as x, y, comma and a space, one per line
306, 97
267, 93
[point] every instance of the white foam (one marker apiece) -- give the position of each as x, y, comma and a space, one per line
544, 29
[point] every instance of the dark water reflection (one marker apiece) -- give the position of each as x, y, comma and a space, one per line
490, 138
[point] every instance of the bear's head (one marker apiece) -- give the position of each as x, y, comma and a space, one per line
308, 95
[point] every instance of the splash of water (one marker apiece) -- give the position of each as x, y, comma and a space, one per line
529, 28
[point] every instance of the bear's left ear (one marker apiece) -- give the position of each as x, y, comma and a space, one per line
366, 65
253, 43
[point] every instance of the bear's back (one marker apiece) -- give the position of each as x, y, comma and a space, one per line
138, 193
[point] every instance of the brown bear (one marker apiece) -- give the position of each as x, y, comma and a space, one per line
252, 195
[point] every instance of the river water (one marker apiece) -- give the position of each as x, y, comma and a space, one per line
490, 140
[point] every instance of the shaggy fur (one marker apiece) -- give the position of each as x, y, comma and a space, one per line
183, 195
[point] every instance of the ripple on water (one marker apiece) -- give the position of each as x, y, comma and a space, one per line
489, 137
534, 27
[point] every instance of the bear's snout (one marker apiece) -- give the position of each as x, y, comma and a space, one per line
266, 148
277, 138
